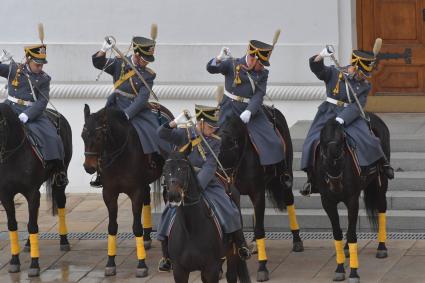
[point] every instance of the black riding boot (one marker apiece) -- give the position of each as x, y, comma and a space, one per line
386, 168
286, 176
243, 250
164, 264
60, 177
97, 183
308, 186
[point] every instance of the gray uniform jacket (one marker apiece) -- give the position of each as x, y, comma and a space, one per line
366, 145
261, 130
40, 127
213, 190
135, 104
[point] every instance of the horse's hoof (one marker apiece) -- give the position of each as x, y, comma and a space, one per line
33, 272
263, 276
354, 280
141, 272
347, 253
65, 248
381, 253
147, 244
26, 249
339, 276
110, 270
298, 247
14, 268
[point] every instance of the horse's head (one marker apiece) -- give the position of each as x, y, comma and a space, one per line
180, 180
233, 135
101, 129
332, 153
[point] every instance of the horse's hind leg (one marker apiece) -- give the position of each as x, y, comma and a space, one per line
353, 214
259, 202
33, 199
136, 204
180, 275
12, 226
112, 205
147, 219
297, 245
382, 219
60, 198
331, 210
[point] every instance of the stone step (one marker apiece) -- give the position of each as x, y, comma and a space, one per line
403, 181
317, 220
396, 200
400, 161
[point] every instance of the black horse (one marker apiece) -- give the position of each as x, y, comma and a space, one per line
22, 172
240, 158
194, 241
339, 179
112, 147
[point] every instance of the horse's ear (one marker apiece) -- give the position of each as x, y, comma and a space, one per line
86, 112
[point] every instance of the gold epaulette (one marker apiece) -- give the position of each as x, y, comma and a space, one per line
194, 143
124, 78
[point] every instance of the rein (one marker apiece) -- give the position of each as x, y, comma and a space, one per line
233, 171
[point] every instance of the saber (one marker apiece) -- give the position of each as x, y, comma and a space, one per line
338, 67
111, 40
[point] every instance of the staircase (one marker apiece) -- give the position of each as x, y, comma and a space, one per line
406, 193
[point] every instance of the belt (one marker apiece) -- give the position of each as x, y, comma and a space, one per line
19, 101
337, 102
126, 94
235, 97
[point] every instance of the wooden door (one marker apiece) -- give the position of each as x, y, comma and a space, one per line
401, 25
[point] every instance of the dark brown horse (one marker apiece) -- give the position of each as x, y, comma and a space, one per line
112, 147
338, 178
22, 172
239, 156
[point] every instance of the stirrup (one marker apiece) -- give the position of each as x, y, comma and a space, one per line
164, 265
244, 253
60, 179
388, 171
96, 183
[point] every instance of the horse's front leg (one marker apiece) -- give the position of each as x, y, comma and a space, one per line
353, 214
330, 206
147, 218
60, 198
9, 205
111, 201
33, 199
259, 202
297, 243
137, 204
180, 274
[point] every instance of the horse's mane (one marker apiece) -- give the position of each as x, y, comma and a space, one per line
7, 112
233, 124
329, 129
176, 156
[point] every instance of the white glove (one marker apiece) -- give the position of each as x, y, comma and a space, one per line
245, 116
23, 117
340, 120
181, 119
5, 56
325, 53
224, 54
106, 46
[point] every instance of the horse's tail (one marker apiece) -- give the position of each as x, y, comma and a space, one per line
49, 195
276, 194
242, 271
381, 130
371, 200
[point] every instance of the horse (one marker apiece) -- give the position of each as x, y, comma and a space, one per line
241, 162
112, 147
23, 172
338, 178
195, 241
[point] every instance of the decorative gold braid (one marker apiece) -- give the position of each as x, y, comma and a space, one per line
15, 81
237, 78
336, 89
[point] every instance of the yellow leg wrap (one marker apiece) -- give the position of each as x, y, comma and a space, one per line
141, 253
147, 216
293, 224
354, 260
340, 255
62, 224
261, 247
34, 245
112, 245
14, 242
382, 228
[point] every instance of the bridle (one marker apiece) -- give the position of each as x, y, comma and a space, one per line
233, 171
4, 153
333, 161
186, 199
